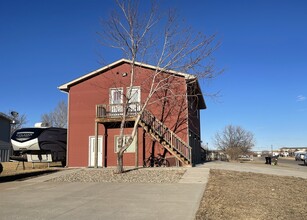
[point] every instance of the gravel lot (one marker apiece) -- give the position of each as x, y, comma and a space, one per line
143, 175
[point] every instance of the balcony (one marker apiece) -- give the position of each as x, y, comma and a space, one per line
106, 113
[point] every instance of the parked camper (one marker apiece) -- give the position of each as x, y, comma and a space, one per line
39, 145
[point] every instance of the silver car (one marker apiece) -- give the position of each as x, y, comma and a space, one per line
299, 156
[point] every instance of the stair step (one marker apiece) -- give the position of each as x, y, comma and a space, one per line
147, 116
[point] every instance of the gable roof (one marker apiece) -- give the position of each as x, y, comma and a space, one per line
66, 87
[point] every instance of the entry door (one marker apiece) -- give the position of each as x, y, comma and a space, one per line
116, 101
134, 94
92, 151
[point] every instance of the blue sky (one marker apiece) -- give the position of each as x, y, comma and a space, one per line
263, 53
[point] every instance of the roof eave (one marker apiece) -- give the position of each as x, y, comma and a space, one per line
2, 115
66, 87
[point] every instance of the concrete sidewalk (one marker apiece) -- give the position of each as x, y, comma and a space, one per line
256, 168
36, 199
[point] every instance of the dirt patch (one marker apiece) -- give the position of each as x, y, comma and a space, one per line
241, 195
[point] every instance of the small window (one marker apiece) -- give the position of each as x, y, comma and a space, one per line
130, 149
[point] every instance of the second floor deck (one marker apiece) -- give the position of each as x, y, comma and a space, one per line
106, 113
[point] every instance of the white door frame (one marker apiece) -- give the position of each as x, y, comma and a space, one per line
116, 100
91, 151
134, 103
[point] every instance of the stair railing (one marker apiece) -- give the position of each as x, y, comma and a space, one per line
173, 140
169, 136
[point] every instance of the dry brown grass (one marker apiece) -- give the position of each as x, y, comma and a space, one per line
13, 168
241, 195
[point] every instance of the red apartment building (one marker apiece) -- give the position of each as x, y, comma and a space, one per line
170, 125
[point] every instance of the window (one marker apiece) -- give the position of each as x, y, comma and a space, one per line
130, 149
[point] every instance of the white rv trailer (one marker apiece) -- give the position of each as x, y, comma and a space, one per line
39, 145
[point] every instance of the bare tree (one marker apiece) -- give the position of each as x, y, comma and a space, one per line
58, 117
19, 120
160, 39
234, 141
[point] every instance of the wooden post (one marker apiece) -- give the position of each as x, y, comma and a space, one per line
104, 148
136, 149
96, 146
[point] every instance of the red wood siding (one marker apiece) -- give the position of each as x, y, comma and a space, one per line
84, 96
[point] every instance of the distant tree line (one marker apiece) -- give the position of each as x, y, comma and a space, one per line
57, 117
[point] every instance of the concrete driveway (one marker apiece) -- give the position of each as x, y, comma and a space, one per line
36, 199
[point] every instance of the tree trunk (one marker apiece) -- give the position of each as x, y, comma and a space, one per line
120, 164
120, 156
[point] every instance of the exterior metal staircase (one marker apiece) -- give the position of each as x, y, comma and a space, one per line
167, 138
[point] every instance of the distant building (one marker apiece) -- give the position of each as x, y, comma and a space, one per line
291, 150
5, 128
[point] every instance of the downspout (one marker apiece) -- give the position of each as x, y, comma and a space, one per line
188, 116
104, 149
137, 148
